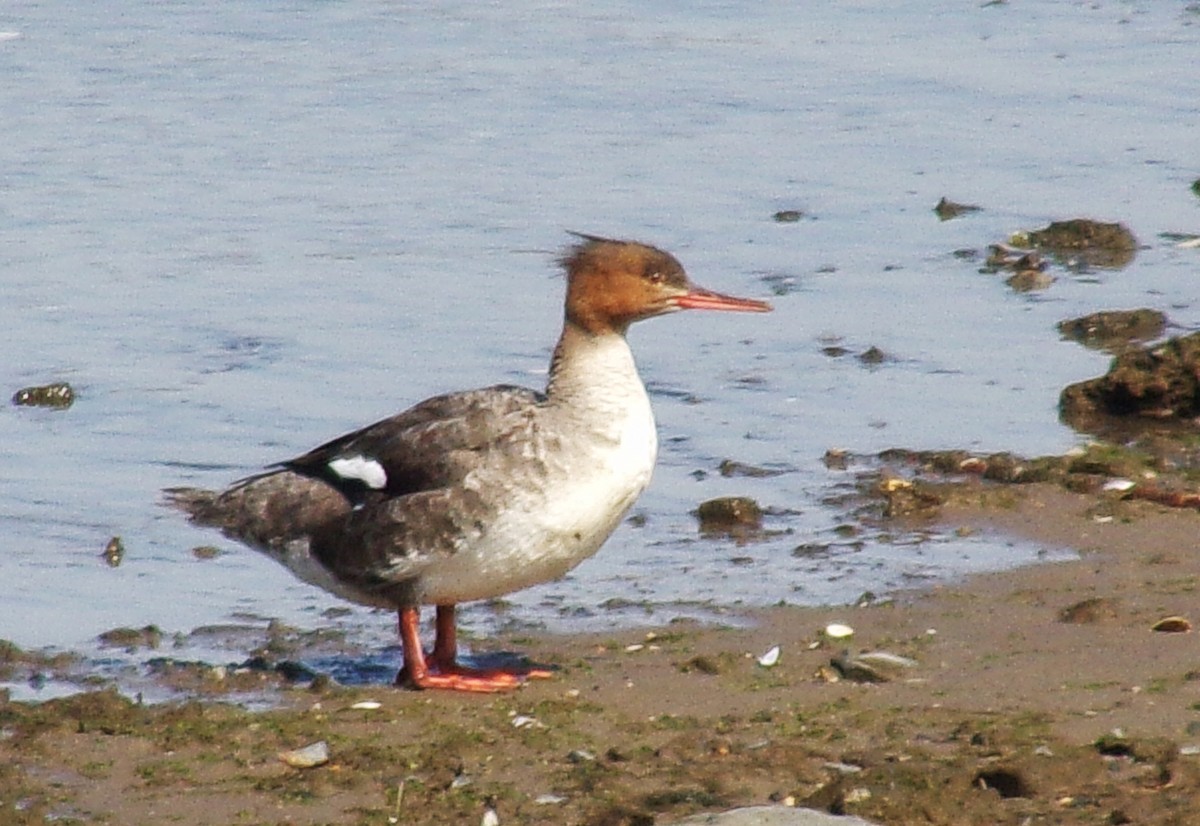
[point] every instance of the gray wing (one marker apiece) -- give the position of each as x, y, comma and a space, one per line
421, 512
377, 537
431, 445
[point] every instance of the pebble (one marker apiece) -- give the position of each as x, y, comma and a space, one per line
772, 816
871, 666
58, 395
316, 754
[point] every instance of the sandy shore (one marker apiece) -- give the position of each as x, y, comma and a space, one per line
1012, 714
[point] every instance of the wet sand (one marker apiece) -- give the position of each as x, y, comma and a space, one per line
1011, 714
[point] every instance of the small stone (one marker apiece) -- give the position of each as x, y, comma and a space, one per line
859, 795
58, 396
729, 515
113, 552
729, 468
871, 666
947, 210
316, 754
206, 552
872, 356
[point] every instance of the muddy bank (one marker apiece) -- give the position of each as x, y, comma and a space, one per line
1010, 715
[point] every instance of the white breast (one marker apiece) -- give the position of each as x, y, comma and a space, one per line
595, 453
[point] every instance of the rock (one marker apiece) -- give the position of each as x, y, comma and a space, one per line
947, 210
729, 468
1093, 243
1115, 328
58, 395
1001, 257
872, 356
1155, 383
907, 499
1027, 281
311, 756
729, 515
772, 816
113, 552
787, 216
871, 666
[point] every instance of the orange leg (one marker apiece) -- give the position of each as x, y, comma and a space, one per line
441, 669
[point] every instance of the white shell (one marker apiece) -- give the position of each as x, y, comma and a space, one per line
1119, 484
367, 705
490, 818
770, 658
838, 631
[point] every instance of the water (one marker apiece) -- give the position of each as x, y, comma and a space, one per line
241, 229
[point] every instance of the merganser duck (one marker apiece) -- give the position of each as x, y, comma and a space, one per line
476, 494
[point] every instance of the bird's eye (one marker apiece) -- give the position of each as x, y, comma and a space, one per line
655, 277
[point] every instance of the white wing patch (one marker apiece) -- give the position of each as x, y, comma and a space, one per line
365, 470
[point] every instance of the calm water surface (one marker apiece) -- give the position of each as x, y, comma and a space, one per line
240, 229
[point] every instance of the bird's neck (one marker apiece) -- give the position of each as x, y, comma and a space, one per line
593, 369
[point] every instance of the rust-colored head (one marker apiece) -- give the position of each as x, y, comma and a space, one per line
611, 284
